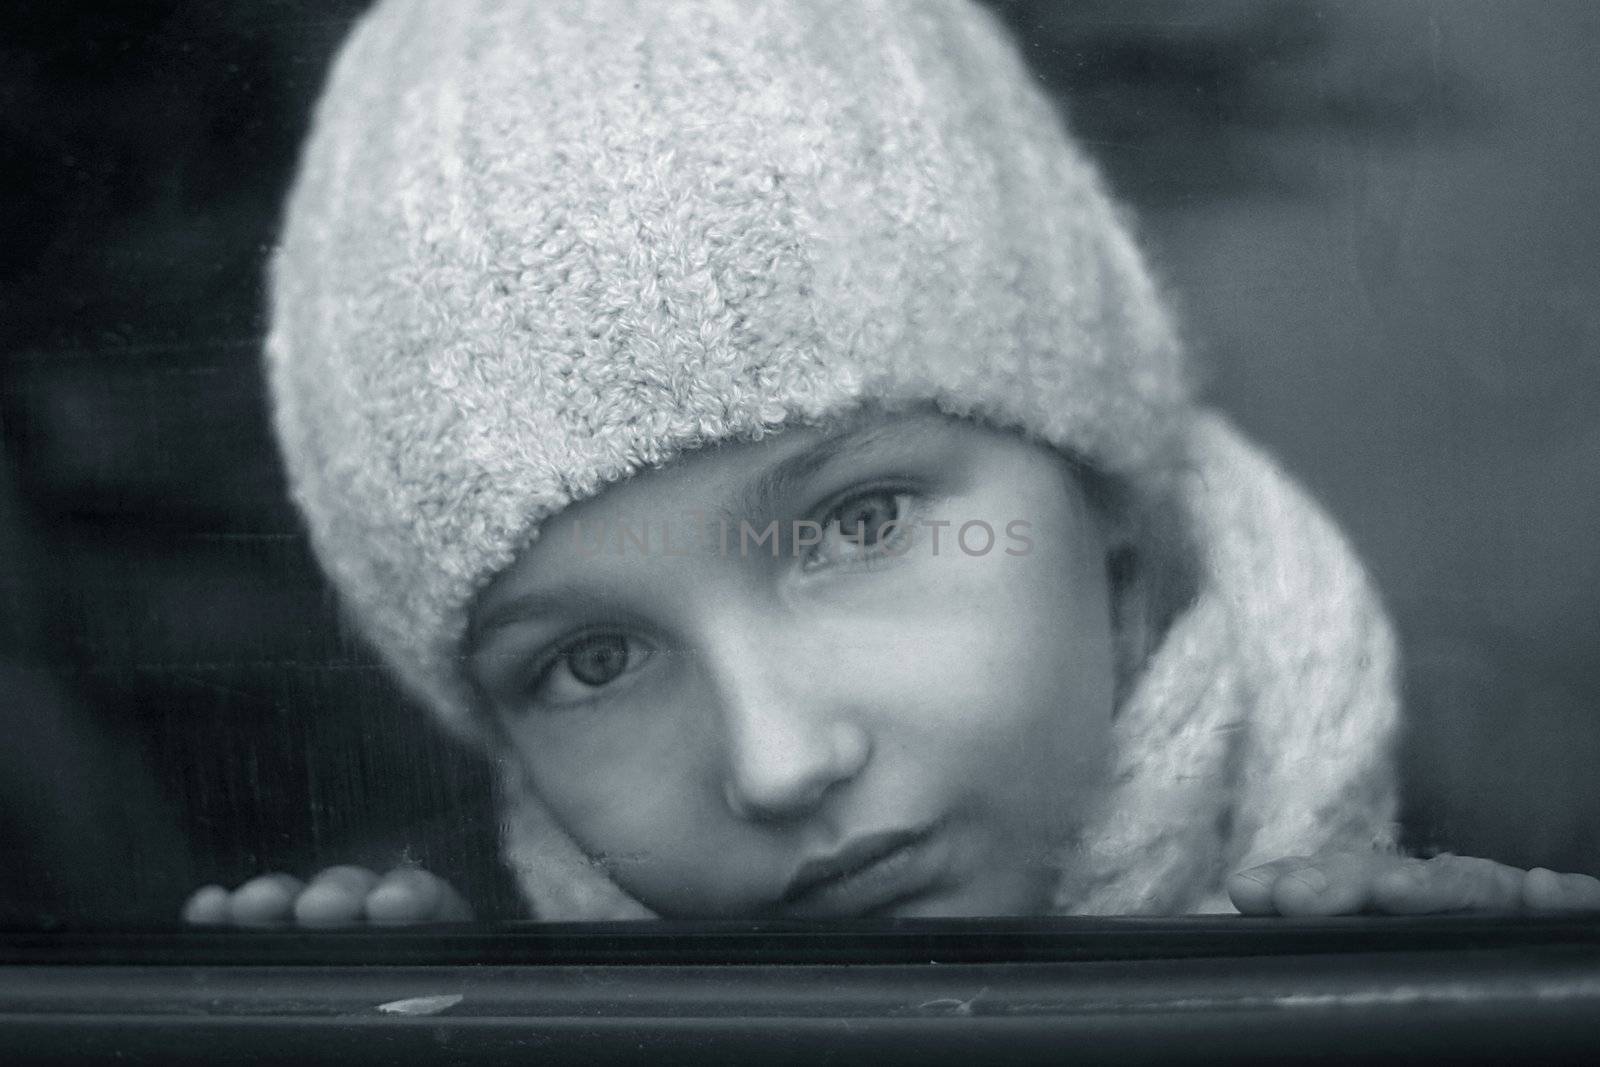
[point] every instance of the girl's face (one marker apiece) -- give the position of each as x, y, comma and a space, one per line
835, 715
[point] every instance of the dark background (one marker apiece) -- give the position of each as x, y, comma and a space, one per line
1378, 217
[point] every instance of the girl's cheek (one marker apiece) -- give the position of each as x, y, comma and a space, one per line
625, 777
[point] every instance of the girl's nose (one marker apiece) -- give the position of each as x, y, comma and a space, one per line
772, 780
787, 740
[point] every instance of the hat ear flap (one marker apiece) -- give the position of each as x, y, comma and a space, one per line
1263, 720
1318, 768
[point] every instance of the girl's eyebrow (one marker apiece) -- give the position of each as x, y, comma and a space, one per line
763, 496
518, 609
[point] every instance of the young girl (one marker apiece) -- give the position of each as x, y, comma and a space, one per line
753, 426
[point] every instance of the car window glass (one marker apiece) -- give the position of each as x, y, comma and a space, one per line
1374, 219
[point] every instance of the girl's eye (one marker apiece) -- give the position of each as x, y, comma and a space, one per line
583, 667
864, 526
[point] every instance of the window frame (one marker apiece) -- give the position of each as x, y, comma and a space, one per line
1190, 989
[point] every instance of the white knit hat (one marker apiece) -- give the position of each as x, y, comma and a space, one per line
537, 245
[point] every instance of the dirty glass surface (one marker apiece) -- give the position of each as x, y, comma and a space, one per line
1377, 218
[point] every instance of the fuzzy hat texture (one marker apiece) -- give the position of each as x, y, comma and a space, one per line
535, 246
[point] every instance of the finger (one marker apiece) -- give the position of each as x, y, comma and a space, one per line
266, 899
1546, 890
452, 907
1336, 884
1449, 883
1475, 884
1401, 888
336, 895
348, 876
405, 895
1251, 889
207, 906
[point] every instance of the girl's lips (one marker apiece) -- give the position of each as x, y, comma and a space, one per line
870, 873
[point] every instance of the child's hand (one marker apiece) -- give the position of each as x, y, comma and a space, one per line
334, 896
1347, 883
